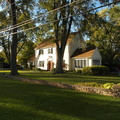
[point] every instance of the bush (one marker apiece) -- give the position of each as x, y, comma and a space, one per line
108, 85
37, 69
79, 71
95, 70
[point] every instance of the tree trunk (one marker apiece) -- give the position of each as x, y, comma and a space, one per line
59, 61
13, 64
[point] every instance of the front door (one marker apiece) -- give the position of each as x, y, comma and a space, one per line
49, 65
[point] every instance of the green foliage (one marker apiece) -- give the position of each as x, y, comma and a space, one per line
99, 85
95, 70
87, 71
79, 71
108, 85
102, 29
37, 69
26, 52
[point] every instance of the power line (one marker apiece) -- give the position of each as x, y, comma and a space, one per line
33, 19
12, 15
60, 19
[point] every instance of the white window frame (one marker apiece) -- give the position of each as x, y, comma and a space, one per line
80, 63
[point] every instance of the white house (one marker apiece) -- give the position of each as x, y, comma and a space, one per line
74, 56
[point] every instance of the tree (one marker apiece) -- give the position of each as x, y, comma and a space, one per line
26, 52
104, 33
18, 12
63, 21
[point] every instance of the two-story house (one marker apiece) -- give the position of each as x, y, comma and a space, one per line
75, 57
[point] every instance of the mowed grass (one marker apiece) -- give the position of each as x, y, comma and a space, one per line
26, 101
68, 77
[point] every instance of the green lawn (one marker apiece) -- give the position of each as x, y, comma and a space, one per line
68, 77
26, 101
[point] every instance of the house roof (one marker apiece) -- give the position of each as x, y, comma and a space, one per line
50, 43
88, 52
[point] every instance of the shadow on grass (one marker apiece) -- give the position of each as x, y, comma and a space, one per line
25, 101
70, 78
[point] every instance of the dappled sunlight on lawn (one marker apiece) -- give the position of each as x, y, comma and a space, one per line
26, 101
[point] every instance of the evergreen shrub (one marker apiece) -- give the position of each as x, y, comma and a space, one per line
95, 70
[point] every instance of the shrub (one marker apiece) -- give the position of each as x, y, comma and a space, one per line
37, 69
87, 71
79, 71
95, 70
108, 85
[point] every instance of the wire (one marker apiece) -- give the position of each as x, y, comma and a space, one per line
59, 19
33, 19
13, 15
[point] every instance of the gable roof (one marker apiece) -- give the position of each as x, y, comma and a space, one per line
88, 52
45, 43
50, 43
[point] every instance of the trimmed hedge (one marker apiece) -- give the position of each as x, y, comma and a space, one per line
95, 70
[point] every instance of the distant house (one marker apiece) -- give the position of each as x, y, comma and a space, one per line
75, 57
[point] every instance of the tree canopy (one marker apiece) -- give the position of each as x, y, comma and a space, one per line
14, 13
71, 13
104, 33
56, 16
26, 52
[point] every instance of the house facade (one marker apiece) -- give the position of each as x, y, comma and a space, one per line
74, 56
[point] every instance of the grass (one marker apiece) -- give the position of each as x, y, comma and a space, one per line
26, 101
70, 78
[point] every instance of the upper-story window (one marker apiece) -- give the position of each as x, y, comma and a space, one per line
41, 52
50, 51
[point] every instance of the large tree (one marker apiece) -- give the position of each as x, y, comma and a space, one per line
63, 19
104, 33
14, 14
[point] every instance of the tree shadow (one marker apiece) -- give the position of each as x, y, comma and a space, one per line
25, 101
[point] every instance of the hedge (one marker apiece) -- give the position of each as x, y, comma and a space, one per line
95, 70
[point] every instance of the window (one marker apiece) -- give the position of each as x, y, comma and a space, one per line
80, 63
96, 62
50, 51
41, 52
41, 63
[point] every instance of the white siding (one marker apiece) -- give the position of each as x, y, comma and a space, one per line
45, 57
51, 57
66, 57
77, 42
69, 50
90, 62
